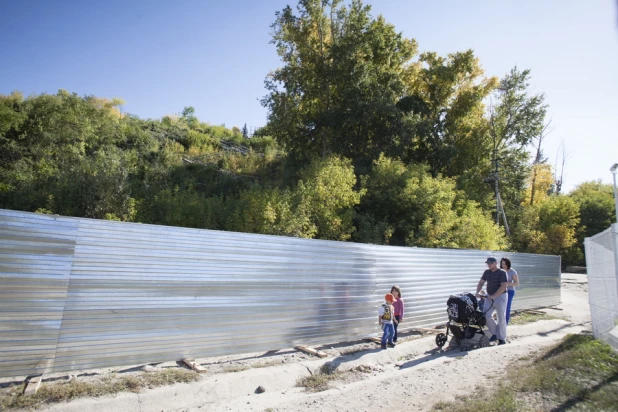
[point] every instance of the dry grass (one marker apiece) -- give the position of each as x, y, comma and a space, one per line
13, 398
243, 367
522, 318
235, 368
501, 399
266, 364
579, 373
351, 351
320, 381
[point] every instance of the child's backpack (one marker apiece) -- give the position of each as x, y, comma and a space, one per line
387, 316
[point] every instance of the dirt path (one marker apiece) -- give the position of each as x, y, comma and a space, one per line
412, 376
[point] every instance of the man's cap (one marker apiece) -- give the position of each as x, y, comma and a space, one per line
491, 259
389, 297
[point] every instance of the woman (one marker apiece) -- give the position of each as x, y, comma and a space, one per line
398, 306
512, 281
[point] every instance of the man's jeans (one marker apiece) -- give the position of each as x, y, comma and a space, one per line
499, 305
389, 332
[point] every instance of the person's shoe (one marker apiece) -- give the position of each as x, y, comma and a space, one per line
391, 344
501, 342
493, 338
383, 346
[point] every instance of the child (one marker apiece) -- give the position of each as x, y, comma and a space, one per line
385, 319
398, 306
481, 300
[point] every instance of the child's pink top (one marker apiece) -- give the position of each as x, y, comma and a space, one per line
398, 306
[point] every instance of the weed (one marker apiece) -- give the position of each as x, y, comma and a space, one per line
351, 351
66, 391
320, 381
522, 318
266, 364
169, 376
406, 357
235, 368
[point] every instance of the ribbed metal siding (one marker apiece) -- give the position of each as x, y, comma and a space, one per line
427, 277
35, 263
539, 278
143, 293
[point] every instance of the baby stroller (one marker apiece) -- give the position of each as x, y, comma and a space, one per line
465, 322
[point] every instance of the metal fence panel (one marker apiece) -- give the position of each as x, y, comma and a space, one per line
428, 277
143, 293
602, 270
35, 263
539, 278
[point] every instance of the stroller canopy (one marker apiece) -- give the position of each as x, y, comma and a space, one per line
461, 307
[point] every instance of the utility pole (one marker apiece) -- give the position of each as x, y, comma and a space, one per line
496, 177
506, 224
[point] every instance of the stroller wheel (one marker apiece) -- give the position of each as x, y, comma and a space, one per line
484, 342
466, 345
440, 339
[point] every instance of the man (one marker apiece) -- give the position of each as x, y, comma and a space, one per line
496, 279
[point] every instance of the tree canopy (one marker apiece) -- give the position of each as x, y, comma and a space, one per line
366, 141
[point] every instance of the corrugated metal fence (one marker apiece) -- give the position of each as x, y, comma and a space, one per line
82, 293
602, 269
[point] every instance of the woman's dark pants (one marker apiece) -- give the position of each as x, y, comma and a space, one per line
398, 319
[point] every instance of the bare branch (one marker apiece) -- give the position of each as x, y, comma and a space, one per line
559, 180
547, 129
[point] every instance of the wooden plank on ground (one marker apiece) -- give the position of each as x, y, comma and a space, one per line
33, 385
311, 351
194, 365
375, 340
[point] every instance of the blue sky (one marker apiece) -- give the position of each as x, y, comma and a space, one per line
162, 56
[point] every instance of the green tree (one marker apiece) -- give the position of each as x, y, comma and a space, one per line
81, 156
445, 124
47, 136
188, 116
516, 117
540, 183
188, 208
548, 227
272, 212
340, 81
327, 191
320, 205
597, 210
596, 206
408, 206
